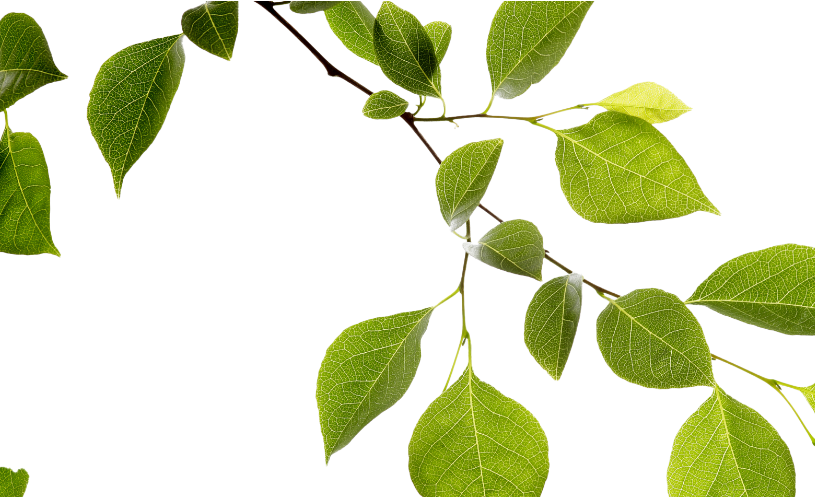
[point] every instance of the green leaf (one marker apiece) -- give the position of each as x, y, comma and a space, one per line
213, 26
620, 169
405, 52
130, 99
772, 288
649, 337
440, 34
25, 59
648, 101
513, 246
25, 193
13, 484
809, 394
310, 7
474, 441
365, 371
463, 178
727, 449
353, 24
384, 105
551, 322
527, 40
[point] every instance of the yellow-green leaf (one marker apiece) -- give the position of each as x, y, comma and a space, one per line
648, 101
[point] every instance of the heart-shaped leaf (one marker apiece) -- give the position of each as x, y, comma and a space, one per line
353, 24
513, 246
13, 484
384, 105
648, 101
440, 34
213, 26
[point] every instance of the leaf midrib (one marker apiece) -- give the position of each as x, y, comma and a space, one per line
729, 443
404, 40
206, 8
470, 184
475, 430
58, 75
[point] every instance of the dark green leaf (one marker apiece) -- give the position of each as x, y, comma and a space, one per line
13, 484
440, 34
310, 7
513, 246
353, 24
384, 105
213, 26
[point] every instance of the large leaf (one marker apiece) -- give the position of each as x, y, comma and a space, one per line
551, 322
130, 99
726, 449
310, 7
213, 26
513, 246
25, 194
353, 24
463, 178
772, 288
620, 169
365, 371
474, 441
648, 101
25, 59
384, 105
440, 33
13, 484
405, 52
527, 40
649, 337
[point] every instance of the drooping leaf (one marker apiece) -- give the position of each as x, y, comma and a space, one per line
440, 34
474, 441
527, 40
649, 337
365, 371
463, 178
13, 483
384, 105
25, 59
620, 169
513, 246
213, 26
727, 449
25, 193
310, 7
405, 52
551, 322
649, 101
353, 24
130, 99
772, 288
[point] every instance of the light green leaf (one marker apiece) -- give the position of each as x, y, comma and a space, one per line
353, 24
772, 288
365, 371
405, 52
648, 101
440, 34
25, 193
649, 337
727, 449
213, 26
551, 322
130, 99
25, 59
310, 7
527, 40
809, 394
513, 246
463, 178
620, 169
474, 441
13, 484
384, 105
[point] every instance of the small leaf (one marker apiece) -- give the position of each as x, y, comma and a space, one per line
310, 7
649, 337
726, 449
463, 178
213, 26
367, 369
513, 246
772, 288
353, 24
551, 322
648, 101
25, 193
440, 34
25, 59
384, 105
809, 394
13, 484
405, 52
130, 99
474, 441
620, 169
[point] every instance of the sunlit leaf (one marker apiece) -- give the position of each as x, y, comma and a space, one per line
513, 246
213, 26
648, 101
809, 394
310, 7
440, 33
13, 484
353, 24
384, 105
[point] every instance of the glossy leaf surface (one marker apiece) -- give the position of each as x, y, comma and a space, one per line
25, 59
353, 24
551, 322
619, 169
384, 105
367, 369
310, 7
772, 288
727, 449
649, 337
514, 246
130, 99
648, 101
213, 26
440, 34
13, 483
